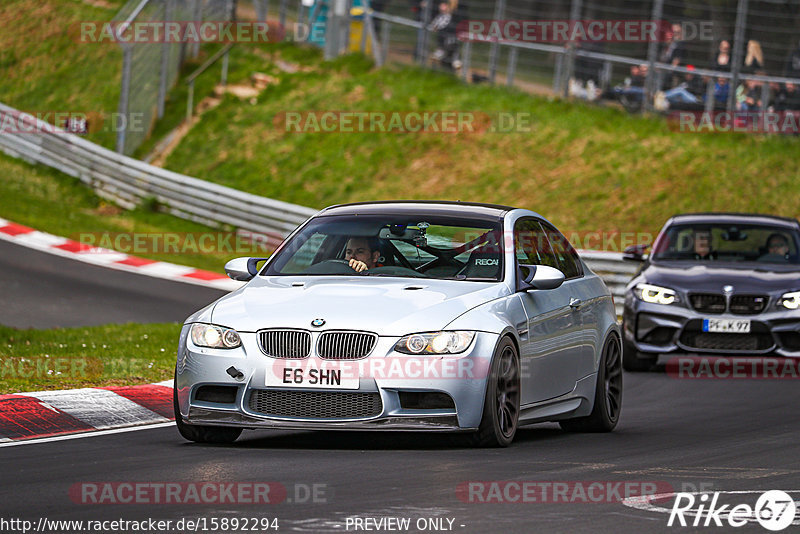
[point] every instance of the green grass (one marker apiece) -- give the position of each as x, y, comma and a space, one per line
50, 201
585, 167
67, 358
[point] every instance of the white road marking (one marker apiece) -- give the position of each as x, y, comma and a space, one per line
99, 408
90, 434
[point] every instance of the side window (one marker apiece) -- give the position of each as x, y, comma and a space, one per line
570, 263
531, 245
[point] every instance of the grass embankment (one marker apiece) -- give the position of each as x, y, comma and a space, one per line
67, 358
585, 167
50, 201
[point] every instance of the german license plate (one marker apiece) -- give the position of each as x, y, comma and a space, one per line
287, 375
728, 326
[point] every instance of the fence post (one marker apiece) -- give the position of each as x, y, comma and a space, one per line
738, 49
283, 8
569, 58
558, 74
467, 59
710, 96
165, 46
197, 14
512, 65
124, 96
261, 10
652, 55
422, 33
385, 28
499, 13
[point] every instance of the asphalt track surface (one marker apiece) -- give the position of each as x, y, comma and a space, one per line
41, 290
718, 435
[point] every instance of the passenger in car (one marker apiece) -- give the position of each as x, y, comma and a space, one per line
777, 248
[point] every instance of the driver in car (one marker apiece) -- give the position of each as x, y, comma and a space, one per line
362, 253
702, 245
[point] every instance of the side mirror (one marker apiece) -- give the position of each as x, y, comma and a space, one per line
540, 277
242, 269
635, 253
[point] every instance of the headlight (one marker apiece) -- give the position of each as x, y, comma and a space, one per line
790, 301
435, 343
655, 294
215, 337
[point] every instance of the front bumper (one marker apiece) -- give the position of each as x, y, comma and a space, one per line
660, 329
459, 378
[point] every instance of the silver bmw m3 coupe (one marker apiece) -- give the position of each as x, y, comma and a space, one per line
434, 316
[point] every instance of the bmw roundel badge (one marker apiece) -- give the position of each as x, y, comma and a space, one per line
318, 322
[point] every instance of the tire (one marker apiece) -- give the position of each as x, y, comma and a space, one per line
501, 402
202, 434
608, 393
632, 362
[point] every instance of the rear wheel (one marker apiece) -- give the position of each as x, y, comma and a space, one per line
607, 396
632, 362
202, 434
501, 403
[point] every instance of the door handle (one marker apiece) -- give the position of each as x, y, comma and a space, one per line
575, 303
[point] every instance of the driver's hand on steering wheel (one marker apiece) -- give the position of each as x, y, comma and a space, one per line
357, 265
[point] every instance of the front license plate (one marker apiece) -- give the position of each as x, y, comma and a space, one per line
286, 375
728, 326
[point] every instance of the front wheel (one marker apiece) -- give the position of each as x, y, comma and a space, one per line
202, 434
607, 396
501, 403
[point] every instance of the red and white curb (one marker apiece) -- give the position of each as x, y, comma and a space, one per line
61, 246
42, 414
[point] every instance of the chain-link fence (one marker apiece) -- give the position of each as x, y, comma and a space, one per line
710, 48
150, 67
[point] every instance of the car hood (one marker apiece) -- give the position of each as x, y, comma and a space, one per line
391, 307
712, 278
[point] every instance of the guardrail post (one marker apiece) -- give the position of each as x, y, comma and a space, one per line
124, 97
652, 55
738, 52
512, 65
499, 13
557, 75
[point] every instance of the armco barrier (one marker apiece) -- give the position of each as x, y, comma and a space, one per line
127, 181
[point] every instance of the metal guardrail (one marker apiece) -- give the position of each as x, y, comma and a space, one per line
127, 181
614, 271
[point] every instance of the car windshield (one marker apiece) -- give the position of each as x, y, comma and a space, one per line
416, 246
727, 242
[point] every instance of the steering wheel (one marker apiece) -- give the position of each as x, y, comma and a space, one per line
330, 267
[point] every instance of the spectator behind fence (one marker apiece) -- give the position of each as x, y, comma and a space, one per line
754, 60
444, 24
788, 98
792, 69
721, 91
722, 60
631, 94
689, 94
674, 54
748, 96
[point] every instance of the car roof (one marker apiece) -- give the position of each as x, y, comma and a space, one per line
732, 217
434, 207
